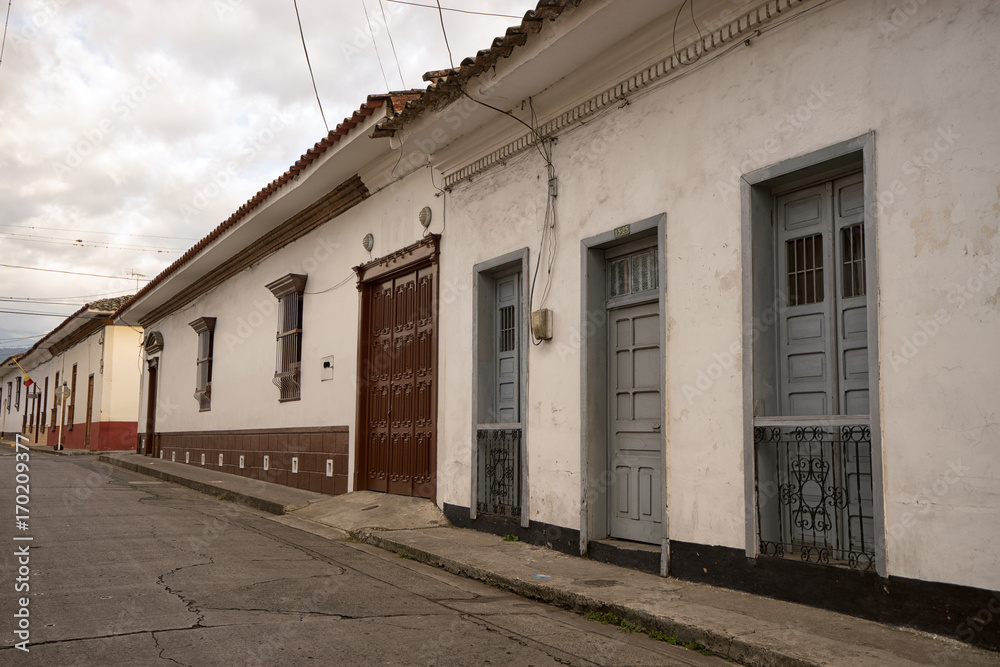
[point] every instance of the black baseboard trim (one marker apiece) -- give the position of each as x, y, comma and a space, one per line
558, 538
964, 613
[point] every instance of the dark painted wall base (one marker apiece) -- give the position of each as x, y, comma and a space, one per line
558, 538
964, 613
968, 614
311, 446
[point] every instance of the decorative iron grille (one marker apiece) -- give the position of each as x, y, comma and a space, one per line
499, 471
814, 494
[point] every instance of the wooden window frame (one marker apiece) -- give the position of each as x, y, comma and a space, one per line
205, 328
289, 291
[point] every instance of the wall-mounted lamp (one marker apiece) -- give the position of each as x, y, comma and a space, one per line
425, 217
368, 242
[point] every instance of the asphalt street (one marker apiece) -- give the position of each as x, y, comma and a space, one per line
109, 567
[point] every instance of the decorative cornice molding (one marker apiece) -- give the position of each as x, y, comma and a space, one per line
426, 249
741, 29
203, 324
290, 283
154, 342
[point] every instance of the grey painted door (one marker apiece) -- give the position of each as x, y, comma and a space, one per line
508, 383
823, 318
806, 309
635, 499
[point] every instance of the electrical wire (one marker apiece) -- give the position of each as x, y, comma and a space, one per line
85, 231
445, 33
309, 64
459, 11
674, 33
62, 315
6, 21
375, 44
65, 298
10, 299
444, 200
340, 284
72, 273
534, 132
80, 243
389, 33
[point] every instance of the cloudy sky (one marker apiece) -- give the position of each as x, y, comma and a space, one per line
119, 118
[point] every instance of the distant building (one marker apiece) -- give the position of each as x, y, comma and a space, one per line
91, 362
717, 300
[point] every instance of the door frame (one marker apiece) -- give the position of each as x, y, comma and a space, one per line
484, 273
152, 380
595, 479
90, 410
422, 254
757, 190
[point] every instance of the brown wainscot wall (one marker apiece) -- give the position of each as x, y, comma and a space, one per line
313, 447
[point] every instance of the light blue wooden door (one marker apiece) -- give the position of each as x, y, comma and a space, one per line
635, 409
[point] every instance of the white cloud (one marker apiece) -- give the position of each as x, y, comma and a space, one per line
116, 114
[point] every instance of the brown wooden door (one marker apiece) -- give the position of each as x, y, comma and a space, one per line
150, 439
398, 393
90, 408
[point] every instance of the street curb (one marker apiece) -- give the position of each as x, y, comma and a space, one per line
209, 489
718, 642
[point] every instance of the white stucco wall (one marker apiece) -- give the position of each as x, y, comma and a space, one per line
922, 82
111, 355
838, 72
120, 380
243, 395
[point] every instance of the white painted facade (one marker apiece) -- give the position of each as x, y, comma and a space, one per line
110, 356
911, 87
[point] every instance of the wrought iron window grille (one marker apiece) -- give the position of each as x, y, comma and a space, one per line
814, 494
499, 471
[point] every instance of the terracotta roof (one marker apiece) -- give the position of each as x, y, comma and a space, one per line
446, 85
397, 100
101, 306
109, 305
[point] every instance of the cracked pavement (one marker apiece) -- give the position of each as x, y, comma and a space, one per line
127, 571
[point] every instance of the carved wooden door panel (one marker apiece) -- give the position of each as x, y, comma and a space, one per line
398, 390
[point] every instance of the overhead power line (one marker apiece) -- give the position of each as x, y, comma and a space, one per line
90, 231
30, 312
458, 11
49, 302
73, 273
80, 297
3, 43
81, 243
444, 32
309, 64
375, 44
392, 44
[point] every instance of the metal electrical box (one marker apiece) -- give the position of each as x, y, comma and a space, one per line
541, 324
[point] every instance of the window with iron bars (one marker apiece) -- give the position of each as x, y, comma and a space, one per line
205, 328
288, 364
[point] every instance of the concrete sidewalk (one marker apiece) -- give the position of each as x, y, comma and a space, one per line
750, 629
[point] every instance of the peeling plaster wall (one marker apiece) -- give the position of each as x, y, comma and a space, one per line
926, 83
